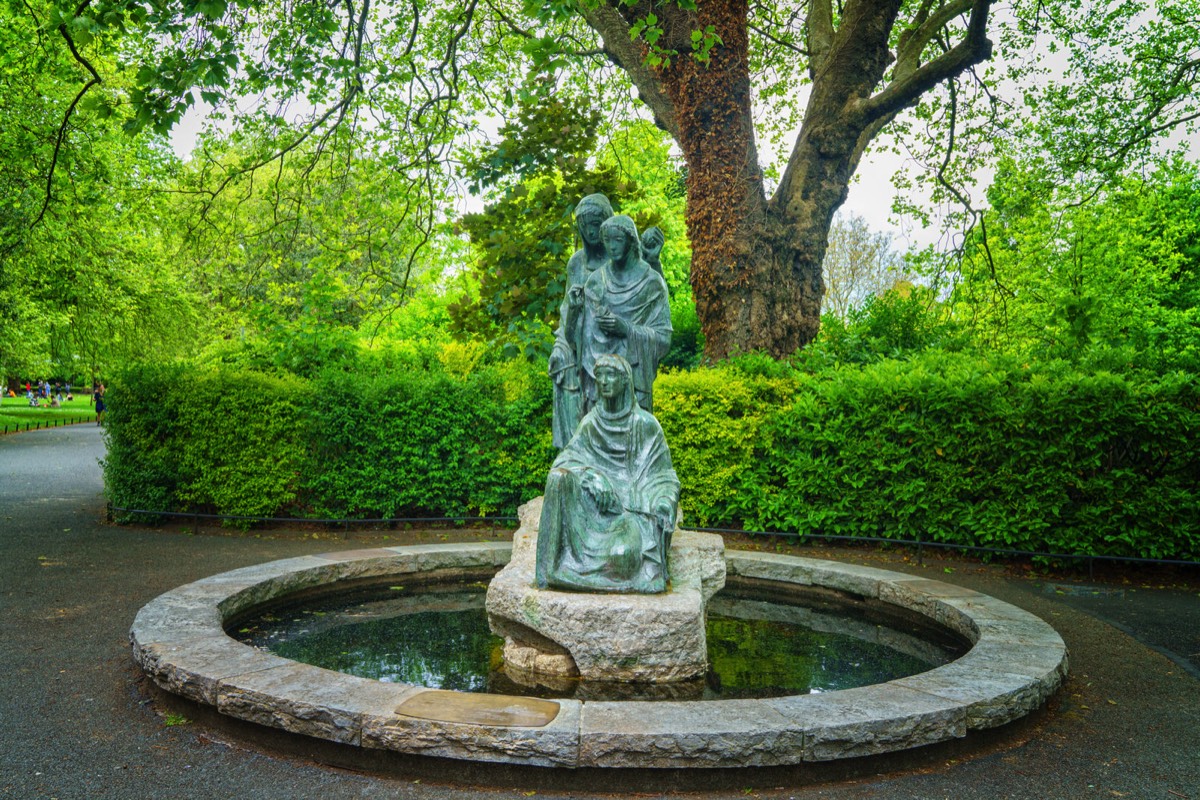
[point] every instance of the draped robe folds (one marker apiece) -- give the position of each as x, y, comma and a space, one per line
625, 549
643, 304
568, 397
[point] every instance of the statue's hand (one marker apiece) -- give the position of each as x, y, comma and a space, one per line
558, 363
601, 491
575, 297
613, 325
664, 512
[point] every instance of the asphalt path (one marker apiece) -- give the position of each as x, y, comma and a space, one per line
77, 721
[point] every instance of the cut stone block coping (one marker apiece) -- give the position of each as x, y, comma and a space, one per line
1015, 663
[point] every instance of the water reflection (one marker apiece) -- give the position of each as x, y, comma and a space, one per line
438, 637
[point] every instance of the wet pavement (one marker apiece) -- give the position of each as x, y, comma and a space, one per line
76, 720
1165, 619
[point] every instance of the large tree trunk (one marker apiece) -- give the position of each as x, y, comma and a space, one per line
756, 282
751, 290
756, 263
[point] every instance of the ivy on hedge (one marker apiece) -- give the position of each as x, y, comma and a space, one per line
1047, 457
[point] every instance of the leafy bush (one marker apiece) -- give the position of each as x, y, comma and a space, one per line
1095, 458
141, 469
208, 440
897, 324
687, 340
244, 441
427, 442
712, 419
1040, 457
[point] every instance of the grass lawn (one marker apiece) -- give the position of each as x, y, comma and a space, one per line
16, 412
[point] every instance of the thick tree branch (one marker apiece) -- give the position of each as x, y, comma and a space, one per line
974, 48
925, 27
614, 32
820, 34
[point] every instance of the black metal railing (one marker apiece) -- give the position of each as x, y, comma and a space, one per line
37, 425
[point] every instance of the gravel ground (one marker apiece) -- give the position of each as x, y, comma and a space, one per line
76, 720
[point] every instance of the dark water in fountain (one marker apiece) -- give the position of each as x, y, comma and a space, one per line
438, 636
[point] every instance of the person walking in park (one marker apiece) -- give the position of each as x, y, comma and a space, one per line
98, 399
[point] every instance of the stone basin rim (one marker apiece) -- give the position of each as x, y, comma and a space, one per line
1015, 663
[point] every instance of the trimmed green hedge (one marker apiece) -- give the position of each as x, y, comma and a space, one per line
233, 441
952, 448
199, 439
427, 443
1045, 457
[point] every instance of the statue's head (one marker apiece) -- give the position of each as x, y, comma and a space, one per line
652, 238
614, 380
590, 213
620, 238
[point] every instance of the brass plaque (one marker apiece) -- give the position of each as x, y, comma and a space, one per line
480, 709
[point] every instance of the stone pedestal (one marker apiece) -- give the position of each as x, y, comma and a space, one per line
652, 638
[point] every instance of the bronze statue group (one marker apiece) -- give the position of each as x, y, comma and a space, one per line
612, 496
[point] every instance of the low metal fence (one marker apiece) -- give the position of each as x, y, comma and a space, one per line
37, 425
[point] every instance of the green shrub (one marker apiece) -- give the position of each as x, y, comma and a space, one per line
954, 448
945, 447
221, 440
712, 420
428, 443
243, 446
141, 468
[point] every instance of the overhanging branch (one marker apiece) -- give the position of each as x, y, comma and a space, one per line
614, 32
974, 48
62, 128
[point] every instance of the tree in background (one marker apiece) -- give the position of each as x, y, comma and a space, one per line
822, 81
84, 278
305, 256
558, 151
532, 179
1059, 273
859, 263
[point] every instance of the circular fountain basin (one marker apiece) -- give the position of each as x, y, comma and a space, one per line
1015, 662
758, 643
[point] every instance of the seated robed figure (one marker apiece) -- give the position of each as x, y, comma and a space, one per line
611, 497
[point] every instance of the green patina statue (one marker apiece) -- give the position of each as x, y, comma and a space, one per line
622, 309
591, 212
615, 303
652, 245
625, 311
611, 497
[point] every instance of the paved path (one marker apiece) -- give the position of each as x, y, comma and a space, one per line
76, 724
